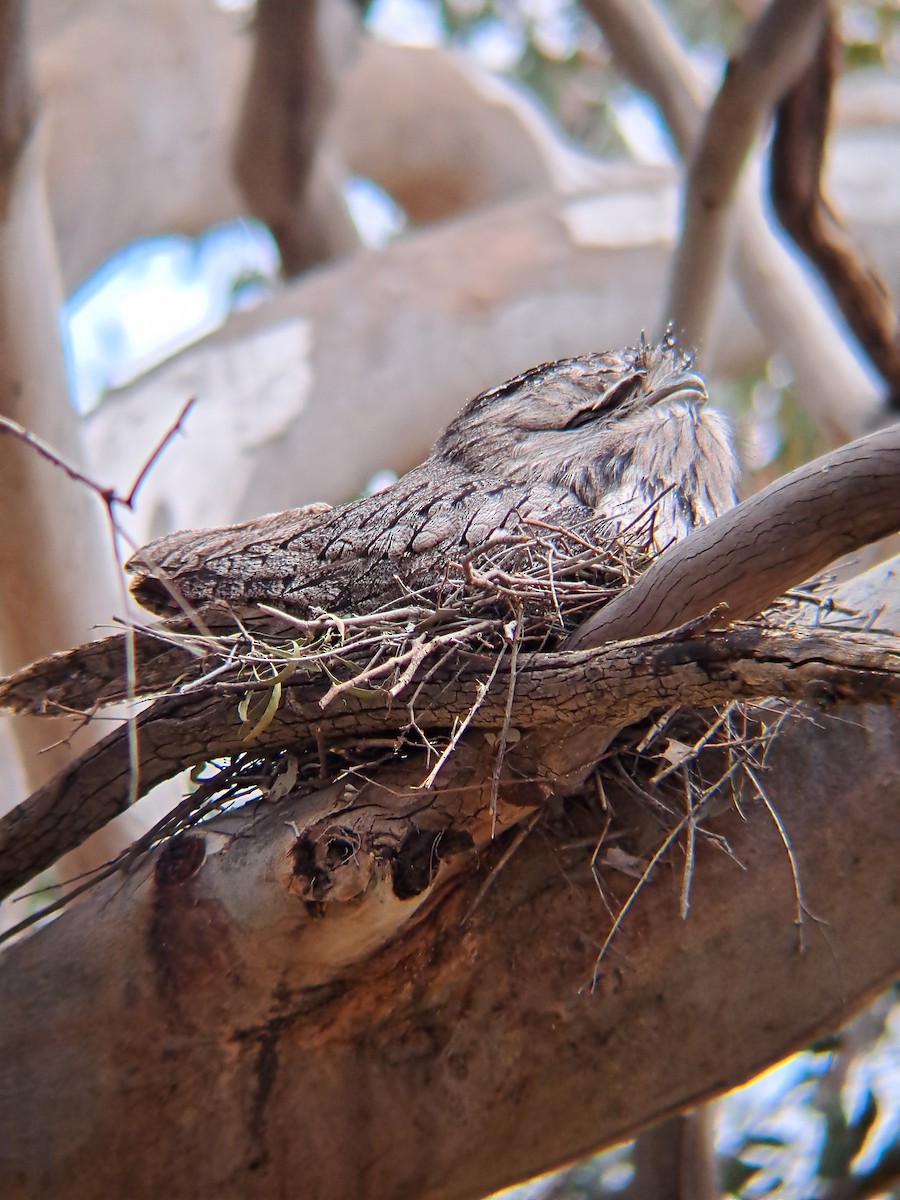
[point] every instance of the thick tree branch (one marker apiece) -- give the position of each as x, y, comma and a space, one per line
558, 695
288, 97
429, 1069
676, 1160
768, 544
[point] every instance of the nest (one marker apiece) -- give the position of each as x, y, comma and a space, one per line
527, 590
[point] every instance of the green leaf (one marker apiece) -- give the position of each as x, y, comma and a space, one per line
268, 713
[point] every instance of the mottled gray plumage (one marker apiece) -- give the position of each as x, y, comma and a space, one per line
581, 443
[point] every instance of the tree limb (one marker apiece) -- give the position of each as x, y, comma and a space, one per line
780, 46
287, 99
428, 1069
798, 153
55, 573
828, 378
556, 694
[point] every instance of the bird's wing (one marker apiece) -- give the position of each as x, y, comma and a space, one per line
350, 559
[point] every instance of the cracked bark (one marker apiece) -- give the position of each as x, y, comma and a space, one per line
556, 696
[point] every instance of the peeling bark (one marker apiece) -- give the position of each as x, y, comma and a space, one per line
798, 159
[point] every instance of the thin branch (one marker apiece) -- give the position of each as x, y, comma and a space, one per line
507, 719
109, 496
110, 499
161, 447
482, 690
46, 451
798, 152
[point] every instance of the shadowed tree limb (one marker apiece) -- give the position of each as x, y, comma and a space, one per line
798, 152
287, 99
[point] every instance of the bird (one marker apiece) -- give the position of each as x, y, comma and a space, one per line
596, 444
594, 441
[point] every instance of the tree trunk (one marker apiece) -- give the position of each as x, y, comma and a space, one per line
279, 1055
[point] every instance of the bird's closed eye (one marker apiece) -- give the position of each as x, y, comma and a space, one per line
584, 417
608, 402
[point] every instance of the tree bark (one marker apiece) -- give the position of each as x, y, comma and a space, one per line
565, 706
829, 380
798, 159
278, 155
55, 577
276, 1051
779, 48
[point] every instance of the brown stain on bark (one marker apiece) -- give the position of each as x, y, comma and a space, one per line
188, 938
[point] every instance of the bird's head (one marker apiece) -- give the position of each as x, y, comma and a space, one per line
590, 423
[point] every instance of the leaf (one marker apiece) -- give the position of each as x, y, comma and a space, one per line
675, 752
628, 864
285, 781
267, 714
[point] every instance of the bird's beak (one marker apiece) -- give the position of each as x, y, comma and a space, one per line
149, 590
690, 387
